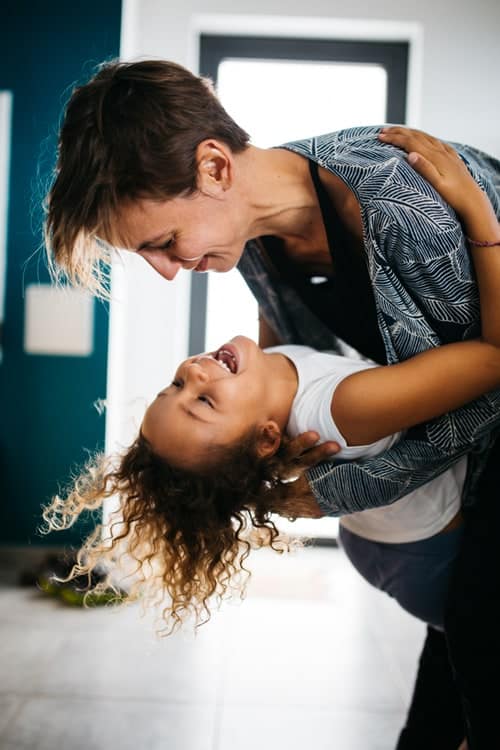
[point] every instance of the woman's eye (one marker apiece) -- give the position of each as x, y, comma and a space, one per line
206, 401
168, 244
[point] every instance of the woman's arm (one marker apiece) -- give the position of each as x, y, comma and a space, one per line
267, 337
374, 403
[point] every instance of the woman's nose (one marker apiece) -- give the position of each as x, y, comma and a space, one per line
162, 263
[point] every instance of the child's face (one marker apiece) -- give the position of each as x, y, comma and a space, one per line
213, 401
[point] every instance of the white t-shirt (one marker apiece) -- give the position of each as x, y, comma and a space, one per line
419, 515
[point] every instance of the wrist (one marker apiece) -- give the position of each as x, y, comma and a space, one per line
482, 229
482, 243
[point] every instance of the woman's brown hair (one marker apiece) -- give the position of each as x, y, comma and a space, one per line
131, 132
185, 536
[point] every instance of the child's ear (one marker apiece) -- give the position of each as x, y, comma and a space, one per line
268, 439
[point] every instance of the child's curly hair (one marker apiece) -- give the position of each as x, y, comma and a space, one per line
188, 534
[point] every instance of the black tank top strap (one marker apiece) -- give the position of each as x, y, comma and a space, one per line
343, 301
335, 231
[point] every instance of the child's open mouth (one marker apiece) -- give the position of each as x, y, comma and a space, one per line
227, 357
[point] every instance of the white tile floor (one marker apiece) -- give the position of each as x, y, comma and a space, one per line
312, 658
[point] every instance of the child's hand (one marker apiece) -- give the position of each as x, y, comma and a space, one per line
439, 164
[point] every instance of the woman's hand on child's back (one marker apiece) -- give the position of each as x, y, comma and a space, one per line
304, 452
438, 163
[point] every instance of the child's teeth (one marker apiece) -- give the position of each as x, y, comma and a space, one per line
222, 364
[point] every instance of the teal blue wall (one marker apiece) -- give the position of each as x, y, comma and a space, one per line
47, 417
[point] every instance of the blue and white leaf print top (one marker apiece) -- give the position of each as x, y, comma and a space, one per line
425, 294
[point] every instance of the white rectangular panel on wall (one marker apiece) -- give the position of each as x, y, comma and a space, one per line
59, 321
5, 140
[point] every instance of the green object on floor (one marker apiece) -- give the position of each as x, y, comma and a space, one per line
74, 592
48, 586
76, 598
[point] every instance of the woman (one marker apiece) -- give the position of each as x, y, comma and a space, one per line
149, 160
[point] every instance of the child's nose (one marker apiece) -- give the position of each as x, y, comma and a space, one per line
196, 372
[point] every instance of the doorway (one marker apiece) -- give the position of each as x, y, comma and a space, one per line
260, 80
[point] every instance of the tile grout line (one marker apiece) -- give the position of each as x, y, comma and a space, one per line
219, 697
49, 695
22, 702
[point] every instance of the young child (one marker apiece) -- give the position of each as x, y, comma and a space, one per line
209, 464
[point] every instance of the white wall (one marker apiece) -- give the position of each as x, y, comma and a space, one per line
459, 71
5, 139
461, 64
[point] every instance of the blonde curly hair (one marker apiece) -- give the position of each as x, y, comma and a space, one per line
186, 534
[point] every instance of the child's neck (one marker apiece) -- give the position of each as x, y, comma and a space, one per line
283, 383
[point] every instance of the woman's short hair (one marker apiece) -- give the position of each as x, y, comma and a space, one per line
131, 132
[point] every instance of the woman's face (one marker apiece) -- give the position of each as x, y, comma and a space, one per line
197, 233
205, 231
213, 401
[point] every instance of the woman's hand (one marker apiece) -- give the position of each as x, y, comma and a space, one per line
439, 164
303, 452
296, 497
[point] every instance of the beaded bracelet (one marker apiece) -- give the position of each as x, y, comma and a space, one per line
478, 243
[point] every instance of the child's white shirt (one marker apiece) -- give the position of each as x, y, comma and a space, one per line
419, 515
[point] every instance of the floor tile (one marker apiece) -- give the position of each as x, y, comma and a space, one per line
9, 707
27, 656
260, 726
326, 647
312, 652
96, 724
122, 667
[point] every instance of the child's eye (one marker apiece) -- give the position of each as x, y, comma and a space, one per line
206, 400
177, 383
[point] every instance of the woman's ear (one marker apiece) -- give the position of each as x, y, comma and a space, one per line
268, 439
214, 167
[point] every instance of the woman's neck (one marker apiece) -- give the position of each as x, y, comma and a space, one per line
279, 193
283, 202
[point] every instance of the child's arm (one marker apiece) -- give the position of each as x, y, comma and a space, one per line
440, 165
377, 402
380, 401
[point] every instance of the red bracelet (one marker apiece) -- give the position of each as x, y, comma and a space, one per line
477, 243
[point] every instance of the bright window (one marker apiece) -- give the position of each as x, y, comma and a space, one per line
280, 90
263, 96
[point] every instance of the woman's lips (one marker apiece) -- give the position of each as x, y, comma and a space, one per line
202, 265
